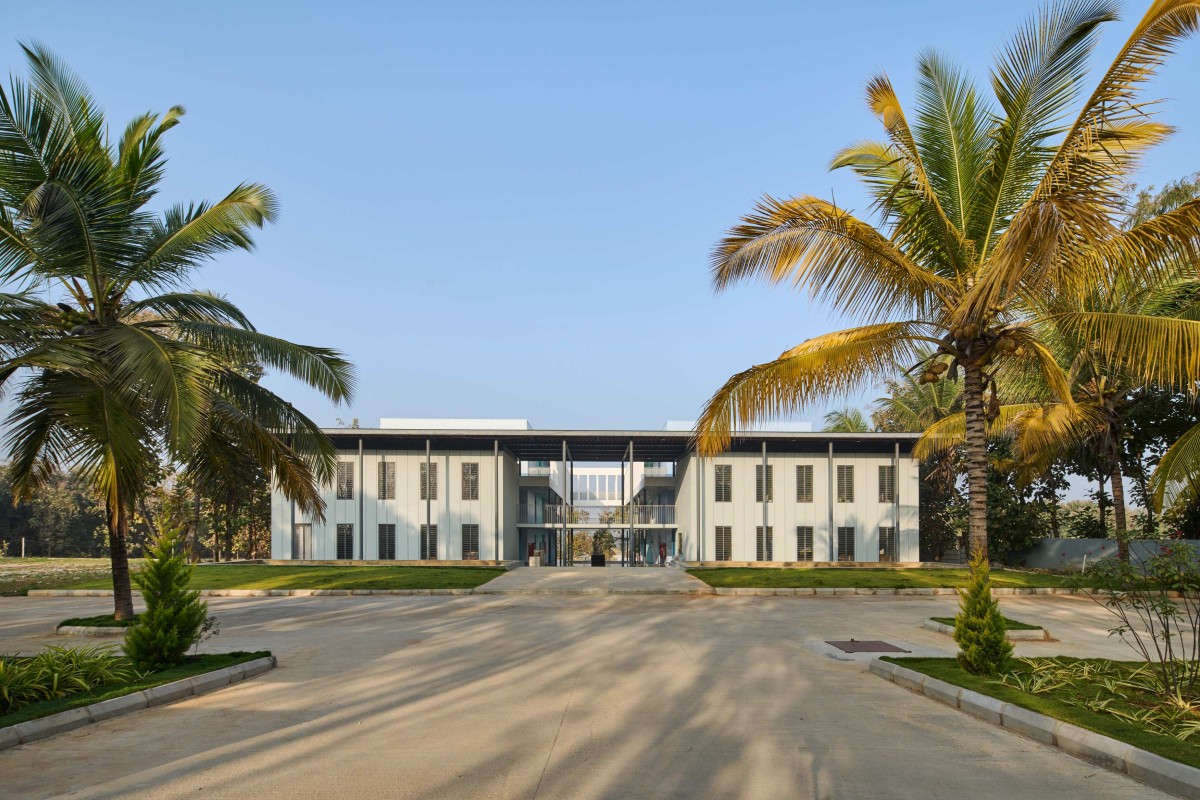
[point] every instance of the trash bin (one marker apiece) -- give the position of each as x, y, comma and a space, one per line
597, 559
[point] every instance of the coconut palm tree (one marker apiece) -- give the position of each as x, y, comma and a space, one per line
846, 420
982, 209
114, 364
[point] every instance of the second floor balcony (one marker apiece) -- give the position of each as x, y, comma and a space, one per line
596, 516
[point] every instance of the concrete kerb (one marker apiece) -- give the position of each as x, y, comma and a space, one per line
1161, 773
1038, 635
45, 727
89, 630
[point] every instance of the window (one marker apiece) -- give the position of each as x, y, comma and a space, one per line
845, 543
804, 483
470, 542
428, 481
387, 480
887, 483
429, 543
845, 483
724, 476
804, 543
765, 551
724, 543
887, 543
470, 482
302, 540
387, 541
345, 540
758, 483
345, 487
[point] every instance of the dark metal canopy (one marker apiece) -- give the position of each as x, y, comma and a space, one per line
538, 445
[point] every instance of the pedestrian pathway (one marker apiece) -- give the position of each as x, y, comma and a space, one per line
595, 581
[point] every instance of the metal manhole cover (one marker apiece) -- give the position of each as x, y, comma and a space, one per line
868, 646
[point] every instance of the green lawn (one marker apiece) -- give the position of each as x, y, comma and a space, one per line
865, 577
102, 621
1052, 704
1009, 624
18, 575
269, 576
193, 666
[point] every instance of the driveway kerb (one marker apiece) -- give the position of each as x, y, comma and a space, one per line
1161, 773
44, 727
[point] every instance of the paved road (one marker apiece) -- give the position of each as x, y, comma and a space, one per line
593, 581
560, 697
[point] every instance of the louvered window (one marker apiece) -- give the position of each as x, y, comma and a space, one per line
302, 540
345, 478
845, 483
804, 543
429, 543
887, 543
724, 477
470, 481
887, 483
387, 480
470, 542
845, 543
387, 541
345, 540
804, 483
724, 543
428, 481
758, 483
765, 551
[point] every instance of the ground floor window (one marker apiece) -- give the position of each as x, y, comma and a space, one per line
470, 542
887, 543
429, 543
765, 551
845, 543
302, 540
345, 540
387, 541
724, 543
804, 543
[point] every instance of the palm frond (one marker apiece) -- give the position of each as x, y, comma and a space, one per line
1160, 350
1177, 478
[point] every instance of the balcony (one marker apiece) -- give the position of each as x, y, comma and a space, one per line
595, 516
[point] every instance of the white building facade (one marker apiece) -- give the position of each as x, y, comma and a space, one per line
498, 491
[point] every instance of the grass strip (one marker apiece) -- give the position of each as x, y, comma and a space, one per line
1052, 705
1009, 624
101, 621
195, 665
349, 576
867, 578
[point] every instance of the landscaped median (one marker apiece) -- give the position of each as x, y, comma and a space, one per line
870, 578
1057, 719
197, 675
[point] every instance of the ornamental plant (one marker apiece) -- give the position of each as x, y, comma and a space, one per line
979, 626
174, 613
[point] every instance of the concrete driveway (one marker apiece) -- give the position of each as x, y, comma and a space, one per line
560, 697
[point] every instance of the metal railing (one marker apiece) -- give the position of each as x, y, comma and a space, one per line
601, 516
534, 470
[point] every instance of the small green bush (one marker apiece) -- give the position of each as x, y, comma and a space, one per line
174, 613
58, 672
979, 626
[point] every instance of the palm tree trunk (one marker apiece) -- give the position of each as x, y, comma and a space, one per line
976, 453
1118, 498
119, 558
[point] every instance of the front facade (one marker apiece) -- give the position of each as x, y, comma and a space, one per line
499, 491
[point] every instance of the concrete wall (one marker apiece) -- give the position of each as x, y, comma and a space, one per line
1062, 554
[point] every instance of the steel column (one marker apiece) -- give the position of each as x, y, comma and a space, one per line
566, 499
832, 543
496, 497
362, 493
764, 501
428, 502
896, 499
632, 531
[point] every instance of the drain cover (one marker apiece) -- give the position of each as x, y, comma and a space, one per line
868, 646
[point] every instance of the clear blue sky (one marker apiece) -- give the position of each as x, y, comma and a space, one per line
506, 209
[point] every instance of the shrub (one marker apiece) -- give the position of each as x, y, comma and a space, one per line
174, 614
979, 626
58, 672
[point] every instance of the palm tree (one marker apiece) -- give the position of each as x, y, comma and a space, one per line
980, 215
846, 420
129, 366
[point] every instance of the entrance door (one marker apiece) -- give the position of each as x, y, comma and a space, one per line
302, 541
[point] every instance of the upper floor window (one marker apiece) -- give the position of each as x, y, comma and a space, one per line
428, 481
470, 481
758, 483
845, 483
345, 480
387, 480
887, 483
724, 478
804, 483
